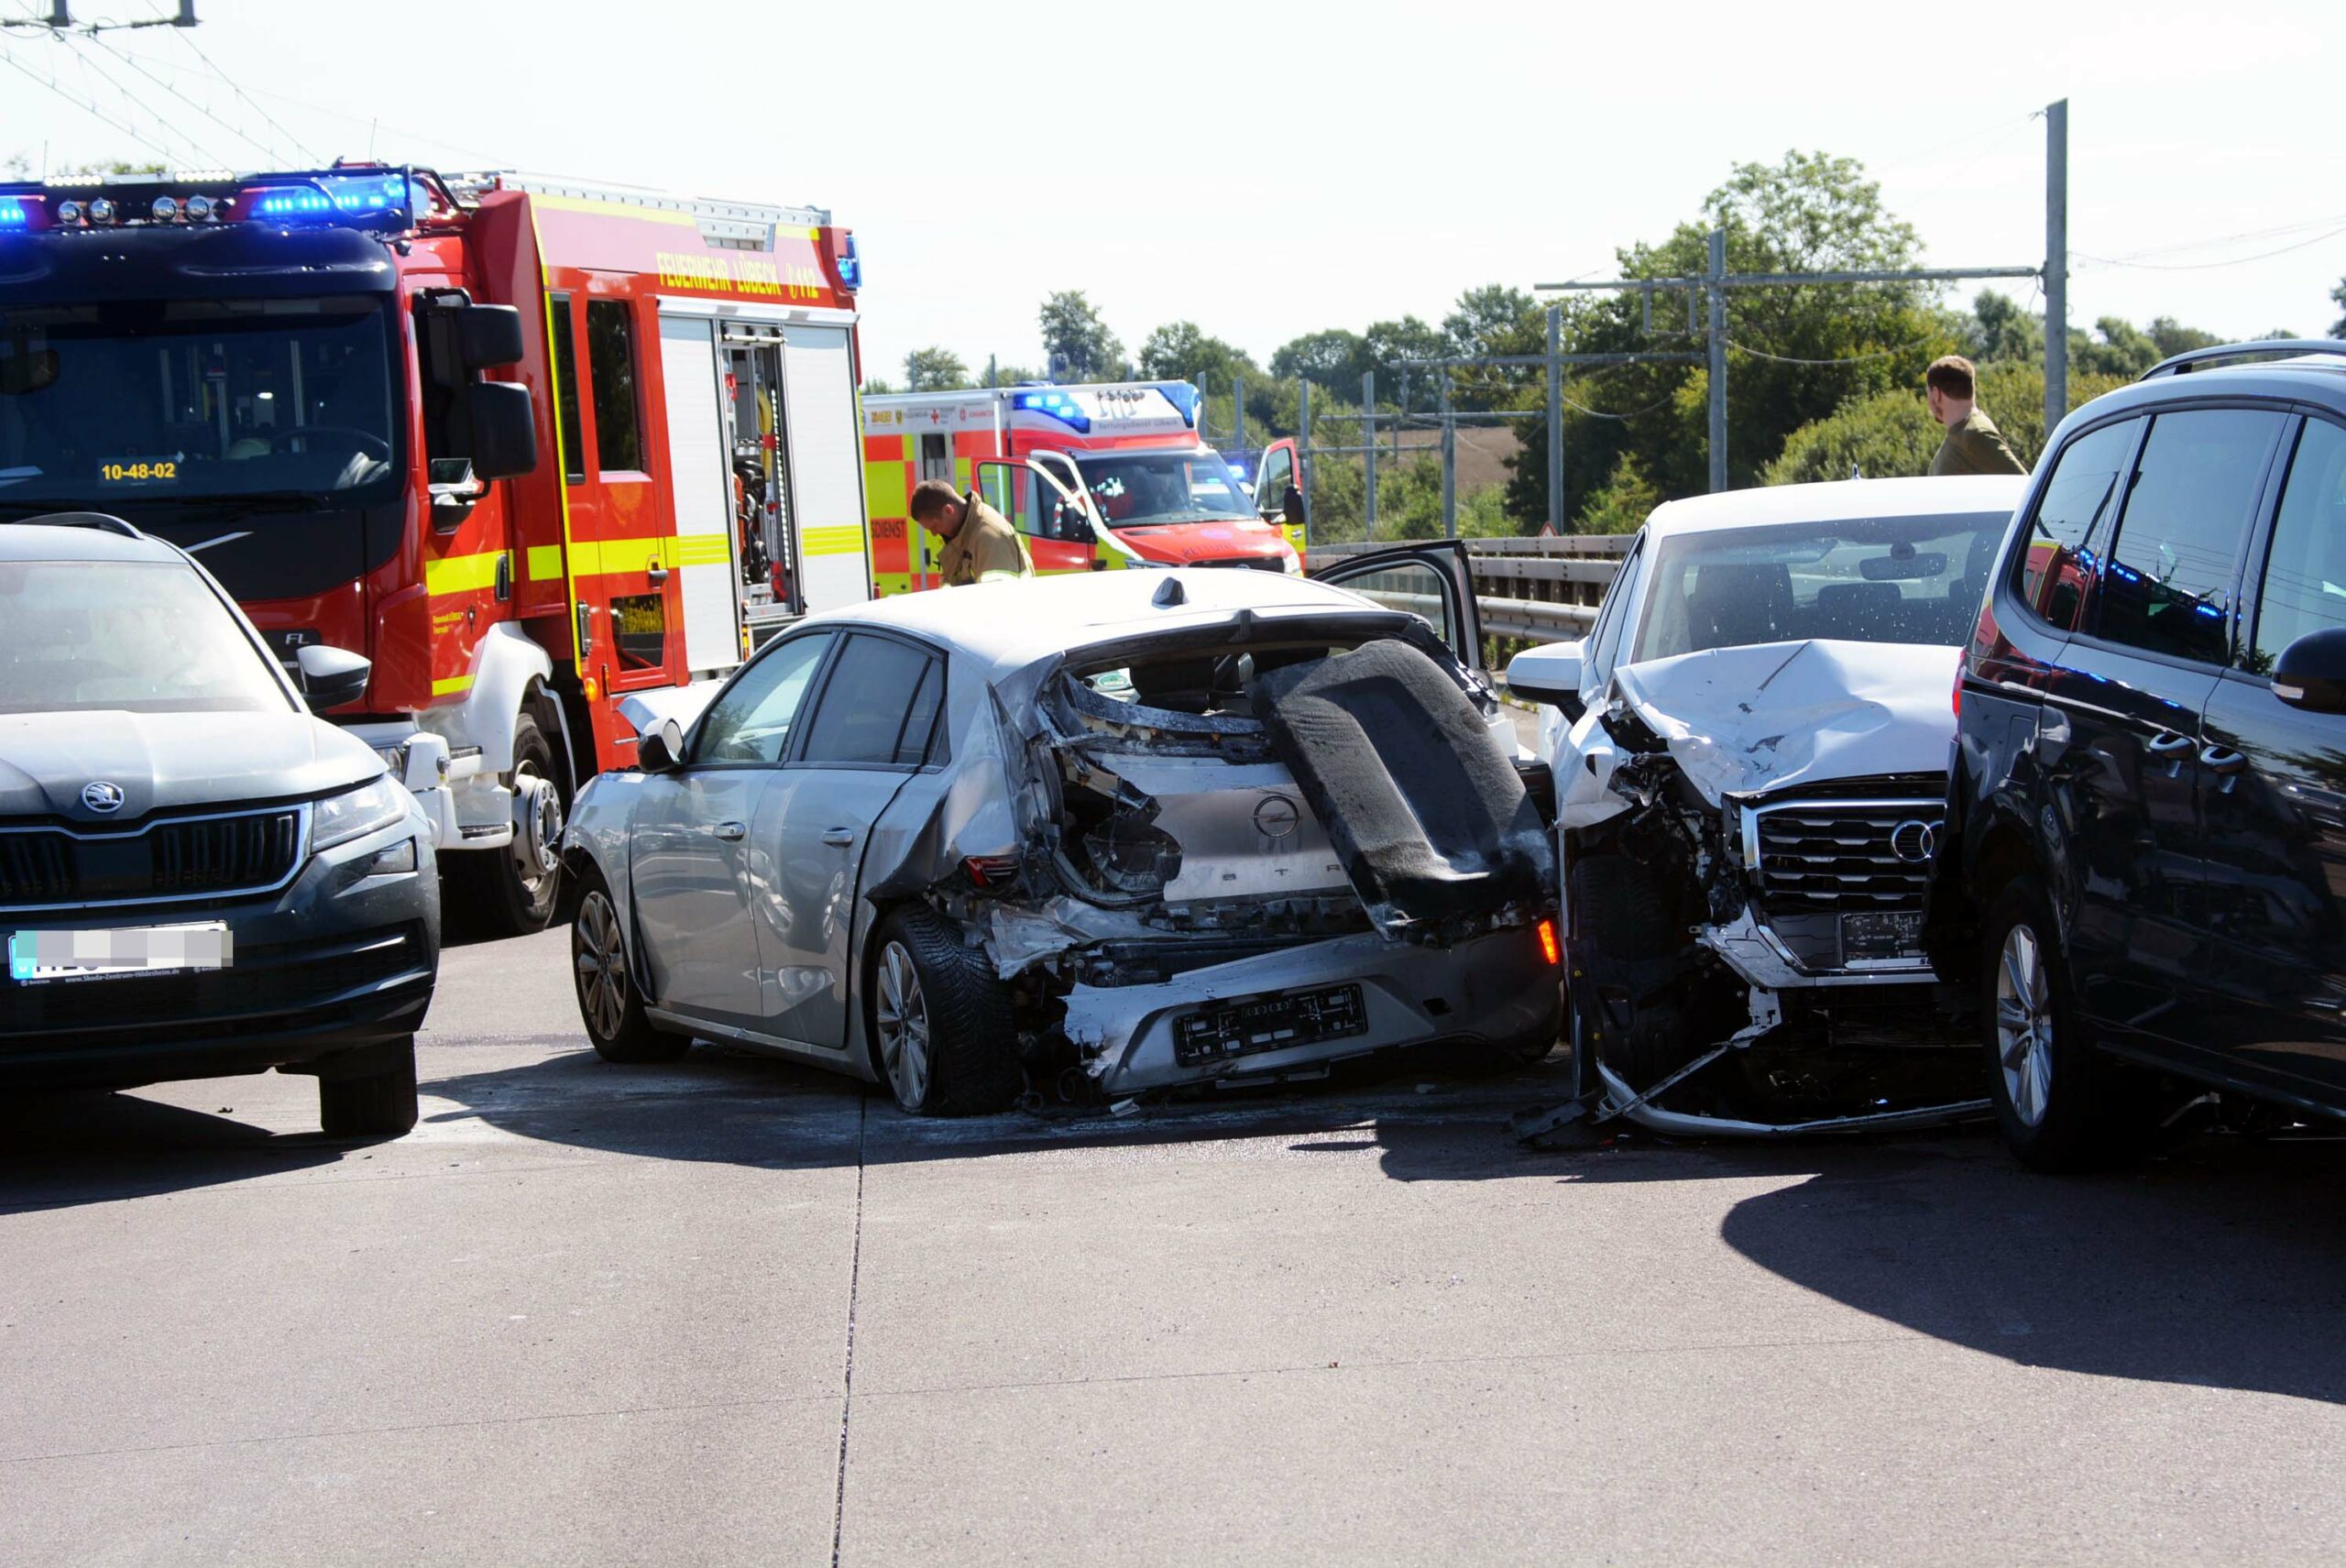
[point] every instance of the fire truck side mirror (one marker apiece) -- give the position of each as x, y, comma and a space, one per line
505, 429
490, 335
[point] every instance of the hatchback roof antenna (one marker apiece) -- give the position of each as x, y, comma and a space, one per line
1170, 593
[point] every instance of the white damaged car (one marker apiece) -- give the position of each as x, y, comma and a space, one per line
1751, 752
1085, 836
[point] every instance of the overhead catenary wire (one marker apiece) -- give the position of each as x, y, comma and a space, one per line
95, 111
187, 37
1837, 359
213, 73
204, 156
268, 149
2205, 266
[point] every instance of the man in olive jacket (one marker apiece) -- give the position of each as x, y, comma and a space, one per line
1973, 443
980, 544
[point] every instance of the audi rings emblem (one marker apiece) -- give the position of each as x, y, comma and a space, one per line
1276, 817
101, 797
1914, 840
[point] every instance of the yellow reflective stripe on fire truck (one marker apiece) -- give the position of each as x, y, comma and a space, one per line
613, 208
846, 539
449, 685
545, 563
461, 573
595, 558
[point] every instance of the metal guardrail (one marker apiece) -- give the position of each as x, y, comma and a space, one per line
1538, 590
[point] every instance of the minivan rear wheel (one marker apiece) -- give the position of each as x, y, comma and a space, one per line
2061, 1105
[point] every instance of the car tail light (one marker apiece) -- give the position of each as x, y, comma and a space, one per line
991, 871
1548, 947
1958, 683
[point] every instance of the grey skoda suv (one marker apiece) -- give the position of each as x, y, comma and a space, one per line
197, 876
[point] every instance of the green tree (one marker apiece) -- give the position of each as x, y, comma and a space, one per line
876, 387
2171, 337
1885, 435
1795, 355
2338, 298
1182, 351
1622, 503
2123, 349
935, 369
2000, 328
1333, 360
1076, 342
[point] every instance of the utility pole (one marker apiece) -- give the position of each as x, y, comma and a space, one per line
1449, 464
1555, 420
1368, 470
1303, 450
1718, 360
2057, 264
1238, 415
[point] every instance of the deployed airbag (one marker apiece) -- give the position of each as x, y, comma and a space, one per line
1420, 801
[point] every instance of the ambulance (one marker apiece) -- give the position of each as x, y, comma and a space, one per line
1093, 477
529, 445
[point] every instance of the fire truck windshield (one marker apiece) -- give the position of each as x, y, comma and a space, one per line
1142, 488
186, 398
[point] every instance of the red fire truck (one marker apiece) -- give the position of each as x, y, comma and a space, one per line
529, 447
1093, 476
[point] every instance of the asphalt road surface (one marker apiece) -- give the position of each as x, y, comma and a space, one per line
732, 1311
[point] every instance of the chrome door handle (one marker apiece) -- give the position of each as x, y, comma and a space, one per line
2165, 743
729, 830
2222, 759
839, 837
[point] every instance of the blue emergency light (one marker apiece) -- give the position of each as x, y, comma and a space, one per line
339, 198
1184, 396
851, 267
1056, 405
12, 214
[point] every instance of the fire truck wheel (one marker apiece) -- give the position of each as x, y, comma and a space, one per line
513, 893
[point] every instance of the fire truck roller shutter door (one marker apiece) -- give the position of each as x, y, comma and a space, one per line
700, 481
827, 465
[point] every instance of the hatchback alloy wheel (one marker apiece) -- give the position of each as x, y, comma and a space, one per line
601, 961
2025, 1024
901, 1013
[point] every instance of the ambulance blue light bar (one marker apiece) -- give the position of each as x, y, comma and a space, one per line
1183, 396
1055, 405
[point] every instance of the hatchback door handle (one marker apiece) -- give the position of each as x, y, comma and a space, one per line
2167, 743
839, 837
2222, 759
730, 829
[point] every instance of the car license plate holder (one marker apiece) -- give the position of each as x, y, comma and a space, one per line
1274, 1022
66, 957
1882, 936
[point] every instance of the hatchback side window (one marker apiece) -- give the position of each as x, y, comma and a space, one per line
2054, 572
750, 719
2305, 571
877, 707
1613, 615
2168, 585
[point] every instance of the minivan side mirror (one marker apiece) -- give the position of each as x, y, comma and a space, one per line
331, 677
504, 430
2311, 672
1549, 673
660, 748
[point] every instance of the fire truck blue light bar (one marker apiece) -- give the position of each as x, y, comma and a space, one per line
364, 196
12, 214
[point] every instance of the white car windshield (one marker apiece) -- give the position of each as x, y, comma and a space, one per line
1906, 579
135, 636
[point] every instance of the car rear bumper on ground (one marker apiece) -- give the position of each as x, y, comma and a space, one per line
1498, 989
343, 957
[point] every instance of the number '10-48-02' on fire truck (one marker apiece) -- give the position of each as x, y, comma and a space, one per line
529, 445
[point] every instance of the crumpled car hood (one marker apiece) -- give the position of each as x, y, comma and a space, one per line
1744, 721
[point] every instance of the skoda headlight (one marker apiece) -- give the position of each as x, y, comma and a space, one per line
355, 813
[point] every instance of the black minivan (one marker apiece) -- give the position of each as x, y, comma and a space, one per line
2144, 865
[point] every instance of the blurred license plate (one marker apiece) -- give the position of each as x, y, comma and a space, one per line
1269, 1023
1878, 936
36, 957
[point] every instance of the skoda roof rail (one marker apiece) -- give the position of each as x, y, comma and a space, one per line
104, 520
2199, 358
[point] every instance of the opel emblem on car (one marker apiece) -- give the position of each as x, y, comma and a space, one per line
1276, 817
1914, 840
101, 797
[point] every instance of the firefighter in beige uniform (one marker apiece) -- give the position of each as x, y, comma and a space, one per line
1973, 443
980, 544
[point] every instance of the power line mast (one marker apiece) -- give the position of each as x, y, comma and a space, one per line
61, 20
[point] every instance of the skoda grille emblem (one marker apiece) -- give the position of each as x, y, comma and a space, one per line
101, 796
1914, 840
1276, 817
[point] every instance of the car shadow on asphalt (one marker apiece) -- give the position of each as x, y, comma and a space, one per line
2219, 1262
1426, 1119
62, 1148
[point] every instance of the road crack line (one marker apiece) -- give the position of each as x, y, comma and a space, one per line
854, 1282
